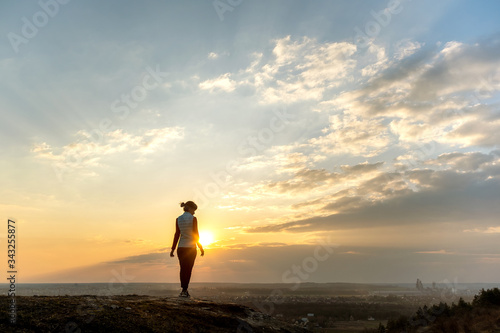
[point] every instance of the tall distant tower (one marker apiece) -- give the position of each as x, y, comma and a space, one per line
420, 286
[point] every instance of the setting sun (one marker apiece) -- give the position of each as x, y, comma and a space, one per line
206, 237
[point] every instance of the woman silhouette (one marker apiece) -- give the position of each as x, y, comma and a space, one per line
186, 228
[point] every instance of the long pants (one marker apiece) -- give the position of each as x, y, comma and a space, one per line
186, 256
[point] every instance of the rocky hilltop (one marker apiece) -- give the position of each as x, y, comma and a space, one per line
133, 313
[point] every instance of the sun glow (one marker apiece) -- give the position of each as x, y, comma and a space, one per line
206, 237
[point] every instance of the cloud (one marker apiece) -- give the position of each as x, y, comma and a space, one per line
296, 70
281, 159
146, 259
489, 260
431, 74
405, 48
404, 104
306, 179
433, 94
457, 68
380, 97
350, 134
44, 151
435, 252
272, 244
155, 139
352, 252
223, 83
378, 64
361, 168
483, 129
418, 197
492, 230
88, 151
489, 230
469, 161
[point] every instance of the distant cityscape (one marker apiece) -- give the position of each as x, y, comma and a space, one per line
245, 289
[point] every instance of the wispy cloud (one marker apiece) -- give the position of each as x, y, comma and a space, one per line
223, 82
489, 230
435, 252
88, 151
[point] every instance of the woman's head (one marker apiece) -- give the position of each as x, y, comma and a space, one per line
189, 206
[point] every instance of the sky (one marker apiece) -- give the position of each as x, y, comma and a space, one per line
323, 141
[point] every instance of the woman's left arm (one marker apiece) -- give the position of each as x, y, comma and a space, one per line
197, 235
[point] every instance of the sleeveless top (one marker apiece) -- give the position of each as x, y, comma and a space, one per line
185, 223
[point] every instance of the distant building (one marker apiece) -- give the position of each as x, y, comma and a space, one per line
310, 314
420, 286
371, 318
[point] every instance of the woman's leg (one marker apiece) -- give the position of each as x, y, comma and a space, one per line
186, 257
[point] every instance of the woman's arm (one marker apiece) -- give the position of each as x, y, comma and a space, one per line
201, 249
176, 238
197, 235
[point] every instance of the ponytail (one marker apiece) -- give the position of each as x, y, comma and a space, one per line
189, 204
